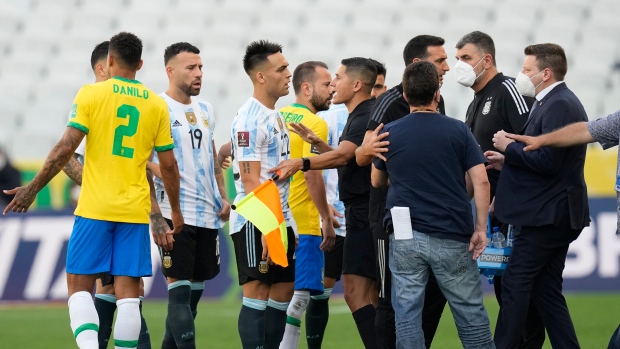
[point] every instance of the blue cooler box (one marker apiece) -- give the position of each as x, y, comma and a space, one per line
493, 261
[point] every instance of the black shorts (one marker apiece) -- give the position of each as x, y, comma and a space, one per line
195, 254
249, 251
106, 279
359, 251
333, 259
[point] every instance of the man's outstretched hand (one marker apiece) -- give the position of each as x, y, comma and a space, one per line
24, 197
531, 143
304, 132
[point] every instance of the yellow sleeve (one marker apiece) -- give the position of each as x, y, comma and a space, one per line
163, 140
80, 112
319, 127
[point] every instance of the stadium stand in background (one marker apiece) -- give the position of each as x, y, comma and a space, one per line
45, 47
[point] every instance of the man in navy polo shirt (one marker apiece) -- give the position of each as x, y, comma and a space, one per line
428, 157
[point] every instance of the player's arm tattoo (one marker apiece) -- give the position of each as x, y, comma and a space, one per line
158, 224
149, 178
55, 162
219, 174
246, 167
73, 169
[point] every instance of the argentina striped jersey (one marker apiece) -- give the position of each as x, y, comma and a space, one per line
259, 134
336, 118
192, 129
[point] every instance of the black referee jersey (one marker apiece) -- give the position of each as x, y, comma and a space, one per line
498, 106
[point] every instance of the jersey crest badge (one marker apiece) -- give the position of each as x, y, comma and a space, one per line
191, 117
280, 124
74, 111
204, 118
487, 108
167, 262
263, 267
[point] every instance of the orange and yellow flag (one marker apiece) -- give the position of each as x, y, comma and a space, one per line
262, 207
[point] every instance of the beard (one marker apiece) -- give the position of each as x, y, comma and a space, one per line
320, 104
189, 90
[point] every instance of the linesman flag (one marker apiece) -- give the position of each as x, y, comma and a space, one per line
262, 207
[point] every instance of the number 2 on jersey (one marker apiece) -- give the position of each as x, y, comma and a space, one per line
128, 130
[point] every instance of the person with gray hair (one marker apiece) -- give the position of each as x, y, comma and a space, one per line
497, 105
429, 217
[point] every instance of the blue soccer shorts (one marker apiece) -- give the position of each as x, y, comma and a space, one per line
309, 264
121, 249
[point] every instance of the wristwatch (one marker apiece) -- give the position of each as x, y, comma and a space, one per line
305, 164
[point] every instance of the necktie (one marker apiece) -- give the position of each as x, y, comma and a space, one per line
533, 108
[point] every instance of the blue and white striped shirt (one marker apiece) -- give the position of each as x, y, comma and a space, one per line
336, 119
259, 134
192, 129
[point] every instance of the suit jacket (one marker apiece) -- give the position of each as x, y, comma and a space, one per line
545, 186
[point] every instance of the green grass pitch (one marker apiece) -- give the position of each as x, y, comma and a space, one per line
46, 326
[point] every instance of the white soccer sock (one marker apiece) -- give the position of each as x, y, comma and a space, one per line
128, 323
84, 320
295, 311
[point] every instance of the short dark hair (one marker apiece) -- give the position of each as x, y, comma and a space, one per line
174, 49
418, 47
420, 82
550, 56
481, 40
257, 53
99, 52
305, 72
127, 48
362, 69
381, 70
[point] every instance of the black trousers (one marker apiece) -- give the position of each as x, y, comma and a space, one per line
534, 333
535, 272
385, 325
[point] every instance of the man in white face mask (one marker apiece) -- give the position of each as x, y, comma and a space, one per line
543, 193
496, 106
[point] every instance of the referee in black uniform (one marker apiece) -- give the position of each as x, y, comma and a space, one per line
352, 85
392, 106
496, 106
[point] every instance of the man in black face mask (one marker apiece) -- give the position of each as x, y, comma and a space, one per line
497, 105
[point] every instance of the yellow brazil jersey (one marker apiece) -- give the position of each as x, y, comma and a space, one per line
304, 211
123, 121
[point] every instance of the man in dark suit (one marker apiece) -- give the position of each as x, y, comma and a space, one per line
544, 194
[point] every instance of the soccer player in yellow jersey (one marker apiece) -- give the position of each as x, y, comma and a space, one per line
313, 93
105, 300
124, 121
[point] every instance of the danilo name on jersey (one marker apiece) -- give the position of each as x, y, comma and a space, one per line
130, 91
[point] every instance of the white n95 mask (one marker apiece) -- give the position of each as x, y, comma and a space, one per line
464, 73
525, 86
